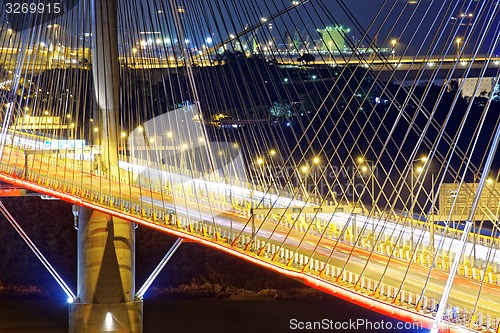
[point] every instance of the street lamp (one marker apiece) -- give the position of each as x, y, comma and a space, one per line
458, 40
412, 185
259, 173
183, 158
9, 31
371, 165
134, 56
261, 162
412, 190
55, 31
304, 169
419, 171
330, 49
393, 42
273, 153
316, 160
123, 136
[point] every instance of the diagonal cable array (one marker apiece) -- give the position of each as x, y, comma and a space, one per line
347, 139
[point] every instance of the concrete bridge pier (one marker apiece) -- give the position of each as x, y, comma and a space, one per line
106, 299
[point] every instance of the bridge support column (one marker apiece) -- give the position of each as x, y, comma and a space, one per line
106, 276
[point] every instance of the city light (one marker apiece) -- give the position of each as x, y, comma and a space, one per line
458, 41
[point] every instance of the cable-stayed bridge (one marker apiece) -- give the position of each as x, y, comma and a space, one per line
382, 193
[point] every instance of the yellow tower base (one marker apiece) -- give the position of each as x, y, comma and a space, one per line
106, 276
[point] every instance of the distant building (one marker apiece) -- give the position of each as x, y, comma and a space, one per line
333, 38
457, 199
486, 86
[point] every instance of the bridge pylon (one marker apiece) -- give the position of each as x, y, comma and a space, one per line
106, 300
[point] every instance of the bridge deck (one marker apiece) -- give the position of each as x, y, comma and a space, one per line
387, 278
